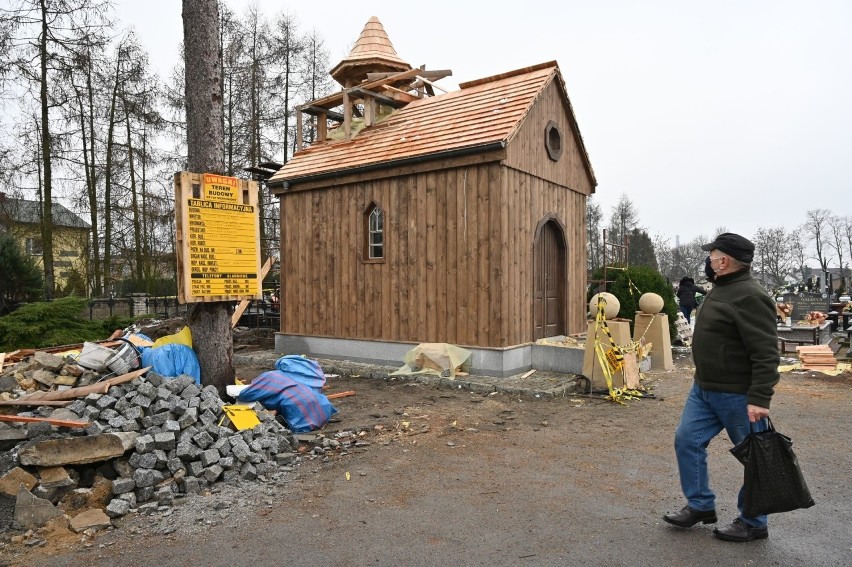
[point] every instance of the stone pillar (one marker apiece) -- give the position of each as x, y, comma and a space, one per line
658, 335
140, 306
620, 330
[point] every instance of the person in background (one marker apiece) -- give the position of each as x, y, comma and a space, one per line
686, 291
735, 349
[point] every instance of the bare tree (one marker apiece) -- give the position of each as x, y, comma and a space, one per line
817, 229
85, 80
847, 234
689, 258
316, 82
210, 322
772, 256
623, 220
836, 236
594, 218
798, 246
665, 257
43, 37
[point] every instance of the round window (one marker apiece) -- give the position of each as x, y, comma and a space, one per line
553, 141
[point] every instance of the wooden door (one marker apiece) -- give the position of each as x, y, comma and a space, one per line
550, 281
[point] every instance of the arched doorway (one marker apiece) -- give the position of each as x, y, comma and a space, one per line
550, 280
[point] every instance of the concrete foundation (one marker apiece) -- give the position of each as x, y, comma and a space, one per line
498, 362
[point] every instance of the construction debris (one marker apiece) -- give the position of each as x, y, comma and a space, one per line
141, 437
817, 357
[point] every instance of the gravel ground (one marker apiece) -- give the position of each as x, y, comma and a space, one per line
448, 476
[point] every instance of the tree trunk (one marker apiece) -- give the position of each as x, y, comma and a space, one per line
92, 184
210, 322
107, 271
134, 204
147, 237
47, 202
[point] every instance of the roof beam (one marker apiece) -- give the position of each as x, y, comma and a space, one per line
336, 99
434, 75
319, 111
386, 100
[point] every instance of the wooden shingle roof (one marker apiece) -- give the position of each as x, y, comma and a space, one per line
373, 51
481, 114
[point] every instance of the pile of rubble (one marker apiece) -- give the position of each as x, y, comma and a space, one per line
149, 440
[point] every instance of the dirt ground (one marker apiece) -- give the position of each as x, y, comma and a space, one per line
444, 476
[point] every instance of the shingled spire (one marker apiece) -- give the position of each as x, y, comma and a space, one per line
373, 53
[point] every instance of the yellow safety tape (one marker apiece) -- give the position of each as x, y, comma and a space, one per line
612, 360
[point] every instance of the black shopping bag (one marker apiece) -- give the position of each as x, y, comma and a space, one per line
773, 480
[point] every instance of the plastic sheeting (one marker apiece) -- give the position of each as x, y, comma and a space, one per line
302, 407
441, 359
302, 369
172, 359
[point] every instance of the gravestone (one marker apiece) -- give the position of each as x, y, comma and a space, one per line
805, 302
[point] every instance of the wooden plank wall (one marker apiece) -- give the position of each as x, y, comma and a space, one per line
458, 257
532, 199
526, 150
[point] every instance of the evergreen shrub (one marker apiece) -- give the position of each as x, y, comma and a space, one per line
646, 280
54, 323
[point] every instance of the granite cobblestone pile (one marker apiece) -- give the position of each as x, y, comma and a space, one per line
174, 439
182, 446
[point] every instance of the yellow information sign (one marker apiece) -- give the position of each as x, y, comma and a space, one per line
220, 229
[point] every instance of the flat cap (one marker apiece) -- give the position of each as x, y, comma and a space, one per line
734, 245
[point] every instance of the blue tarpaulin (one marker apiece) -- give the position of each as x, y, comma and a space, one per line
301, 369
302, 407
171, 360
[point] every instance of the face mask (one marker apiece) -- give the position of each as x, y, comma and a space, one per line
708, 271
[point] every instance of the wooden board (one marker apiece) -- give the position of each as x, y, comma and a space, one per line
55, 422
241, 306
97, 388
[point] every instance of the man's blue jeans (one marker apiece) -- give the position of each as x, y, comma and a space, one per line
687, 311
704, 416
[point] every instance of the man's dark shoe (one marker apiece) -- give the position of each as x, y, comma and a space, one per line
688, 517
740, 531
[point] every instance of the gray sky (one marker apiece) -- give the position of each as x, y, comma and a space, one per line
705, 114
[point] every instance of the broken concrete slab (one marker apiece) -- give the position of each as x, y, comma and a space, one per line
8, 383
77, 450
66, 380
48, 361
7, 511
32, 512
54, 477
11, 436
72, 370
38, 429
11, 482
65, 414
94, 519
44, 377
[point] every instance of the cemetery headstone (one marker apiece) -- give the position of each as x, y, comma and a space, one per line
805, 302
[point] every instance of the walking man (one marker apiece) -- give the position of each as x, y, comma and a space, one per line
735, 349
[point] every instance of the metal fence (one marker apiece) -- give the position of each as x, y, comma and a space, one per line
260, 313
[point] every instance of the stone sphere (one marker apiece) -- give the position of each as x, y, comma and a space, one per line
650, 303
610, 309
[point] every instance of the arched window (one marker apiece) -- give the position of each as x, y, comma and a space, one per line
375, 233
